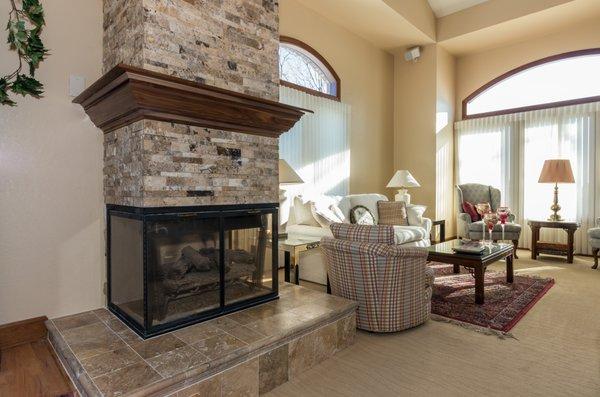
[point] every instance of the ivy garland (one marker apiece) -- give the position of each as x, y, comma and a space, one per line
24, 28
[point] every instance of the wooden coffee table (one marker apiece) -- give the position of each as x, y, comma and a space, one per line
443, 252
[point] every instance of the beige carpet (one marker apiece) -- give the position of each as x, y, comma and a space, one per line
556, 353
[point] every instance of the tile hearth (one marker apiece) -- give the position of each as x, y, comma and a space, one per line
245, 353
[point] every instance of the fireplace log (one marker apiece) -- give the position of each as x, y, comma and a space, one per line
200, 262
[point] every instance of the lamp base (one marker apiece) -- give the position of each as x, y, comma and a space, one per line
555, 217
402, 195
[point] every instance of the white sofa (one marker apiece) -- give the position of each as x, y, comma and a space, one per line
312, 264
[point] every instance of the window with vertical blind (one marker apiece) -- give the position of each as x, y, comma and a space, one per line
508, 151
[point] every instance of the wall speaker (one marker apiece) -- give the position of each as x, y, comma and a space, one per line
413, 53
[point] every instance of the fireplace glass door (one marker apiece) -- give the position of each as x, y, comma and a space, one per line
247, 275
170, 269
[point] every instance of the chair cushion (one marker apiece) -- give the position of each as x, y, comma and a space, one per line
363, 233
594, 232
409, 234
508, 228
392, 213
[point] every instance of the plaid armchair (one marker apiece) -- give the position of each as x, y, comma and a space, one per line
391, 283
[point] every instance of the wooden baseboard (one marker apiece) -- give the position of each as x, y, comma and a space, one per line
20, 332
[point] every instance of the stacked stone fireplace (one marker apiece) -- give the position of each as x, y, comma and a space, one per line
188, 107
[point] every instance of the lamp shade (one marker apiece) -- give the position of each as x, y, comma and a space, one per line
557, 171
287, 175
402, 179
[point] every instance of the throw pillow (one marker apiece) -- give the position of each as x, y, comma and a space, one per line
469, 208
302, 212
361, 215
415, 214
363, 233
324, 216
392, 213
338, 212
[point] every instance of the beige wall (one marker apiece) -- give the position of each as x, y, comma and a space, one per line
414, 132
367, 78
51, 227
473, 71
445, 80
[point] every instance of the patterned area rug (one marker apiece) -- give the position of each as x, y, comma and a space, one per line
505, 304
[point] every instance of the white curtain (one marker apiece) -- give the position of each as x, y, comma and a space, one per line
318, 146
508, 152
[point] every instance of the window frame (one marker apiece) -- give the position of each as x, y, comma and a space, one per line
321, 61
520, 69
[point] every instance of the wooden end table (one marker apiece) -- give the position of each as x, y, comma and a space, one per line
540, 247
442, 224
292, 246
443, 252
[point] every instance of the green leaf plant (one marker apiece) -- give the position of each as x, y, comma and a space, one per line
24, 28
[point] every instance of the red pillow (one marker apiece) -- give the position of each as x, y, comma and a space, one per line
470, 209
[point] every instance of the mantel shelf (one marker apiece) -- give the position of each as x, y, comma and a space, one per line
127, 94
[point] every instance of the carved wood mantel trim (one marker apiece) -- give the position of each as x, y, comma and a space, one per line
127, 94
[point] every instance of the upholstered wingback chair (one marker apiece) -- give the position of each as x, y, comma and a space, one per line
476, 193
391, 283
594, 240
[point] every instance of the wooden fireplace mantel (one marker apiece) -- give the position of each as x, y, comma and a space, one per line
127, 94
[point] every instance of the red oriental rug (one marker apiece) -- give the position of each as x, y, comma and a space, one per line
505, 304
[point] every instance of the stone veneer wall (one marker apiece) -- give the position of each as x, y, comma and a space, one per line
154, 164
230, 44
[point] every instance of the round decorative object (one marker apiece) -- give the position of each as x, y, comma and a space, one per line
361, 215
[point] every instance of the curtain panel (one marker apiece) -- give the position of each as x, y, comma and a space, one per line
508, 152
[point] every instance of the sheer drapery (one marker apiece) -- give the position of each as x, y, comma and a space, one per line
516, 147
318, 146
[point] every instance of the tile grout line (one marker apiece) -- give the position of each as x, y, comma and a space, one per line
128, 345
74, 355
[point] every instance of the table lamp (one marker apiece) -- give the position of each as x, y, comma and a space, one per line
287, 176
556, 171
401, 180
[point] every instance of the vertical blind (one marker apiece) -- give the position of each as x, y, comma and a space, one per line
317, 147
509, 151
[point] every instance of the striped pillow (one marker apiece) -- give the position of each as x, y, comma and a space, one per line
392, 213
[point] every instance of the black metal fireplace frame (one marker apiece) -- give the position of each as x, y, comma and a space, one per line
199, 212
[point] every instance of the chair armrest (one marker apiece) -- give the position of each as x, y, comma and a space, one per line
464, 217
462, 226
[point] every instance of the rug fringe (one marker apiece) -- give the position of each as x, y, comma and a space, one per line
473, 327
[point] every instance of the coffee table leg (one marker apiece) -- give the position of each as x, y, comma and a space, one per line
509, 269
456, 269
479, 295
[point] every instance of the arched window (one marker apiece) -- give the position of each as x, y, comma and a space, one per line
559, 80
303, 68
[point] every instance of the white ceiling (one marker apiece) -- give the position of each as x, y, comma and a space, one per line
441, 8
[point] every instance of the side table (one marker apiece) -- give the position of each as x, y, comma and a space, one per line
442, 224
292, 246
539, 247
